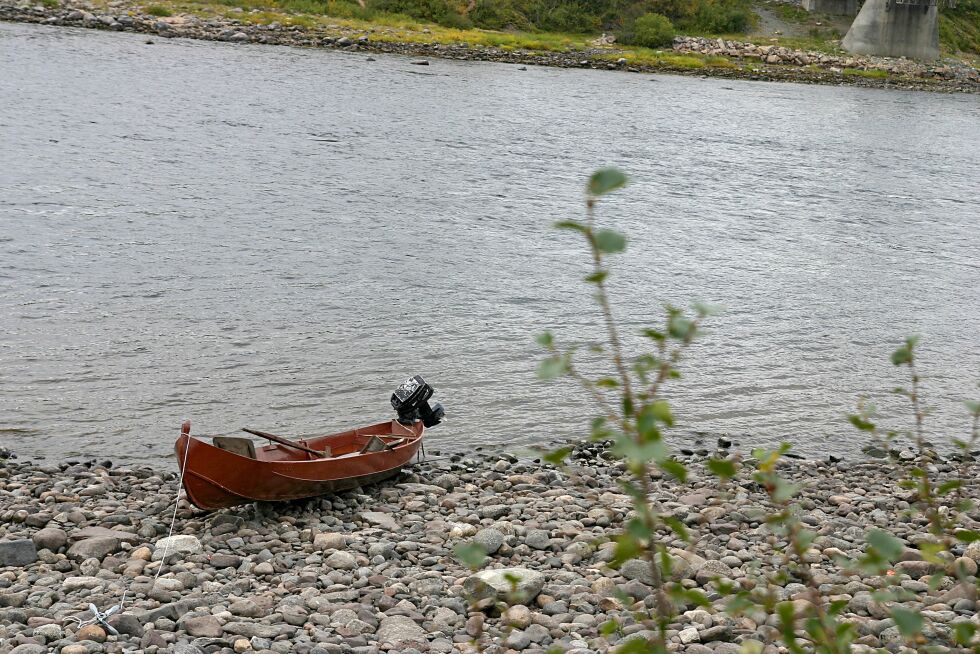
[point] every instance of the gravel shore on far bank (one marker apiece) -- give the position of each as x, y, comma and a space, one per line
741, 60
373, 570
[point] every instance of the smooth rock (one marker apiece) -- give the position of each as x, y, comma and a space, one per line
17, 553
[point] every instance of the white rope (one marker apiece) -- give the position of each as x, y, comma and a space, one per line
102, 618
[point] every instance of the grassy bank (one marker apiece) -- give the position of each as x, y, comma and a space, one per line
526, 26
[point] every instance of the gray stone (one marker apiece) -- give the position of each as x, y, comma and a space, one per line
126, 623
93, 548
50, 538
103, 532
17, 553
205, 626
29, 648
497, 584
517, 640
537, 539
341, 560
49, 632
252, 629
399, 629
329, 541
183, 544
383, 520
225, 560
711, 570
489, 539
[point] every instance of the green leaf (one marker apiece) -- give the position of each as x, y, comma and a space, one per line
722, 468
909, 623
886, 544
627, 547
608, 382
597, 277
680, 327
902, 355
948, 486
973, 407
636, 646
571, 224
545, 339
552, 368
609, 241
472, 555
964, 632
674, 468
861, 423
677, 527
784, 491
557, 457
967, 536
705, 310
606, 180
655, 335
661, 411
609, 627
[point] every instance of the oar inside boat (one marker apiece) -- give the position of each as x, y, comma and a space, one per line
287, 442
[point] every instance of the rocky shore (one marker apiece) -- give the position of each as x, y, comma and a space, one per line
742, 60
373, 570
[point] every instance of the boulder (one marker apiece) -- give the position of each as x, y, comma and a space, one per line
17, 553
489, 539
93, 548
183, 544
378, 519
516, 585
50, 538
400, 629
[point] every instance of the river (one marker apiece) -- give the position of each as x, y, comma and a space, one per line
276, 237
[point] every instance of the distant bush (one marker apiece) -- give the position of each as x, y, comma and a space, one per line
959, 27
720, 18
442, 12
570, 16
706, 16
499, 15
157, 10
650, 31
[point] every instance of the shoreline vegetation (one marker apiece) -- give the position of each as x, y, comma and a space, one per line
374, 570
804, 60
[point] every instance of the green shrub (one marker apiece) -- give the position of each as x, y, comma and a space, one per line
706, 16
959, 27
157, 10
651, 31
499, 15
442, 12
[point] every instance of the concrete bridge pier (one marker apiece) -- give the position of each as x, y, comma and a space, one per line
890, 28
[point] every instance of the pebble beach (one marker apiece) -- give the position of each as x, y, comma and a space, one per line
374, 570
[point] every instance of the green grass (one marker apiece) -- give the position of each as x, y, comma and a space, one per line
959, 28
791, 13
870, 74
158, 10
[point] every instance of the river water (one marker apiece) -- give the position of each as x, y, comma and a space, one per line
275, 237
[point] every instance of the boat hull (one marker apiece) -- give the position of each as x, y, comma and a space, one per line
214, 478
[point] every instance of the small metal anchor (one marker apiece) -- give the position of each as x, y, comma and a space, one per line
99, 617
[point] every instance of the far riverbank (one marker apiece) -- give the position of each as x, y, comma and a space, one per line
693, 56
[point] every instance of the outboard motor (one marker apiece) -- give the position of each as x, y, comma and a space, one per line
411, 401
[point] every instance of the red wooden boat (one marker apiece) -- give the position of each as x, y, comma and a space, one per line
234, 471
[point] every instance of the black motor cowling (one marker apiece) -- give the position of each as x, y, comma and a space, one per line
411, 401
